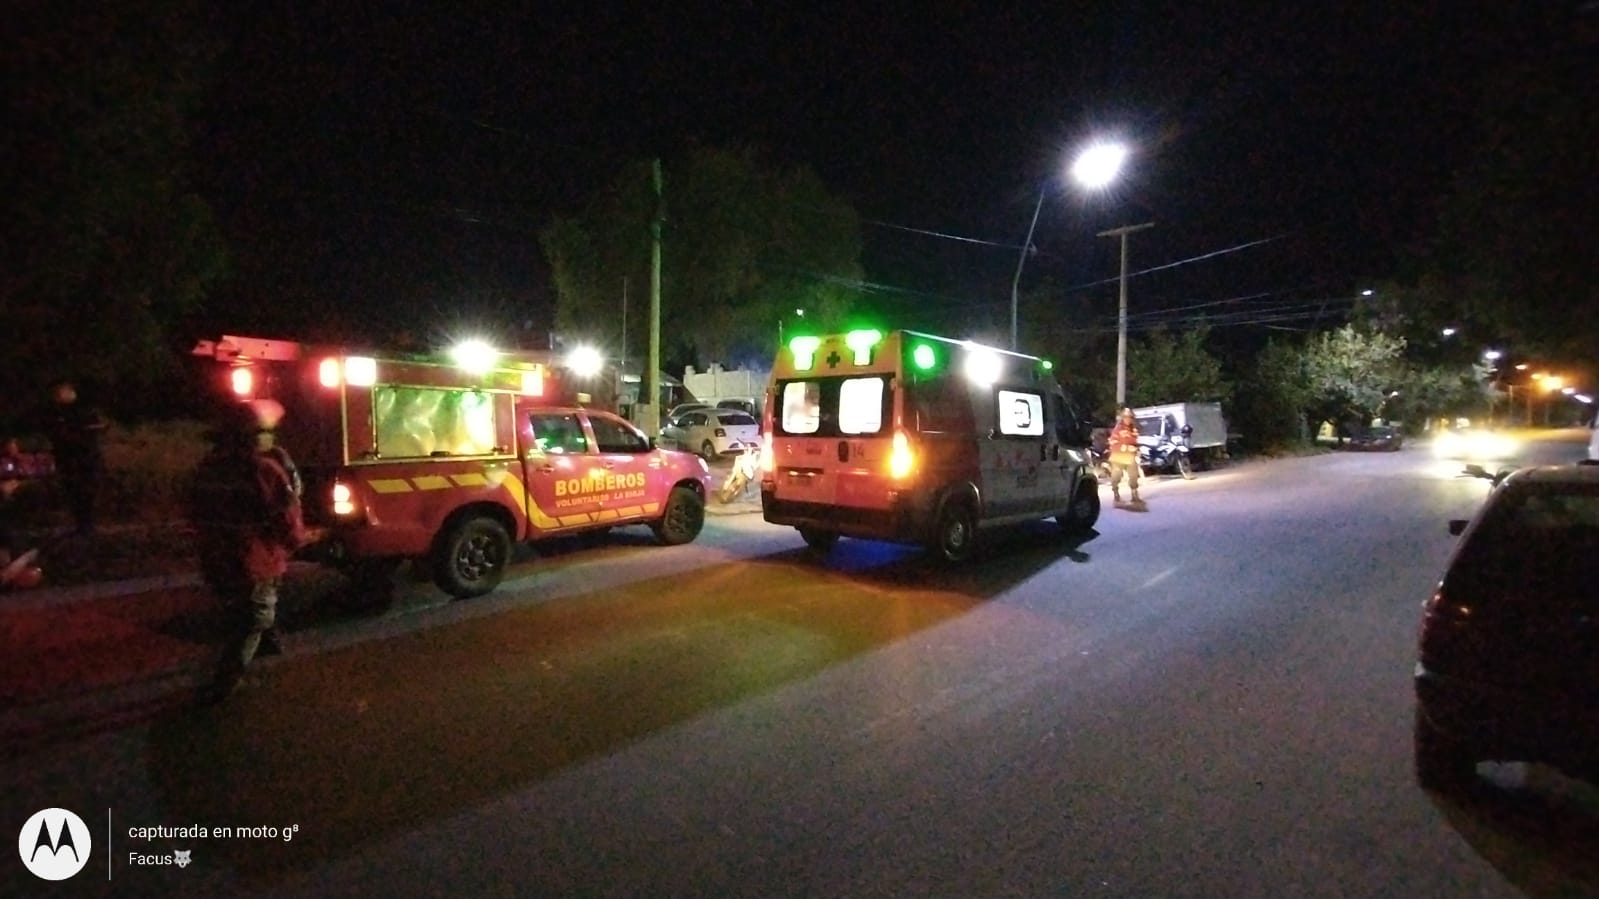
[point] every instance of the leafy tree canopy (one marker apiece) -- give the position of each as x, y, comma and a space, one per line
1174, 368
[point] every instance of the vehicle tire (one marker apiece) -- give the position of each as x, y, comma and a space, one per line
1443, 763
683, 519
371, 586
955, 533
708, 451
818, 540
1185, 466
1084, 510
469, 559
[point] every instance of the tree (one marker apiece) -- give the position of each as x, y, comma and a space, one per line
1167, 368
1350, 372
745, 244
1271, 399
105, 244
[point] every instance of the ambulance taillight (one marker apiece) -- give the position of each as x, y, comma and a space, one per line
901, 460
243, 382
768, 462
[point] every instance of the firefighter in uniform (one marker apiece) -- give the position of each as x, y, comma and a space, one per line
245, 509
1123, 451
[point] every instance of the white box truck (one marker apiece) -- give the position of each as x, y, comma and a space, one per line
1207, 439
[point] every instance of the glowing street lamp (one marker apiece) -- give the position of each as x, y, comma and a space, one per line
1450, 332
1095, 168
1492, 355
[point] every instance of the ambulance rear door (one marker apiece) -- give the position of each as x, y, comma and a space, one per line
831, 439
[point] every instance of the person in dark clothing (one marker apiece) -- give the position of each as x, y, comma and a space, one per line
245, 508
74, 430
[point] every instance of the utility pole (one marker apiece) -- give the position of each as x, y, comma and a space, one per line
624, 324
650, 416
1121, 316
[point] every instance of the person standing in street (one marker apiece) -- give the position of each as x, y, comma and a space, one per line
74, 430
1123, 447
245, 508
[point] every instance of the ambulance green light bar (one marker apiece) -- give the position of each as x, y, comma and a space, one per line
1048, 365
923, 357
861, 342
804, 350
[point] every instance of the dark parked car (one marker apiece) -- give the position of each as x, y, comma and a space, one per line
1508, 667
1377, 437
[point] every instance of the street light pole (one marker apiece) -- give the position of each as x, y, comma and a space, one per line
1121, 315
1026, 245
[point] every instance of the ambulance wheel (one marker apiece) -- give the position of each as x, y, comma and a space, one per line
956, 531
1081, 515
818, 540
471, 557
683, 519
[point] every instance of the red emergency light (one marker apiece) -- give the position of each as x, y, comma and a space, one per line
243, 381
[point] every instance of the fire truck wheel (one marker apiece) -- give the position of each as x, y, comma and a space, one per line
956, 532
471, 557
683, 518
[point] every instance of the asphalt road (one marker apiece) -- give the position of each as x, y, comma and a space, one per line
1207, 698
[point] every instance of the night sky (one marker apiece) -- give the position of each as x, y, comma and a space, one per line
396, 166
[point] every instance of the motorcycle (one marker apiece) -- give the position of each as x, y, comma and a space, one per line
1166, 455
746, 468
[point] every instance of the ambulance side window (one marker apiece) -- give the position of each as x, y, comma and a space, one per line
612, 436
1021, 414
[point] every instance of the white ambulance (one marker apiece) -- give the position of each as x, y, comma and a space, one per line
913, 438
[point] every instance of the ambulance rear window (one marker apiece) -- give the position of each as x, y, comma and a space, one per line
834, 407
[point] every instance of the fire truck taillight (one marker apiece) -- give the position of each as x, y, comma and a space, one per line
900, 459
343, 500
243, 381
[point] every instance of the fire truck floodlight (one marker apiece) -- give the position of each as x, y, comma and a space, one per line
585, 361
533, 382
474, 356
360, 371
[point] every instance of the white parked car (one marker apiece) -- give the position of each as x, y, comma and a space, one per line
712, 432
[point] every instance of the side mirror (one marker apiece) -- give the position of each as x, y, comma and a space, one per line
1457, 526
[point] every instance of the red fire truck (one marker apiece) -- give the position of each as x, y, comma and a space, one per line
448, 460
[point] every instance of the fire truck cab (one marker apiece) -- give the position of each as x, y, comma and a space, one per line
913, 438
449, 461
